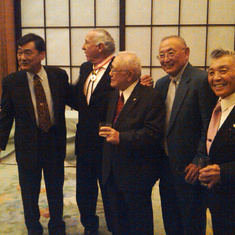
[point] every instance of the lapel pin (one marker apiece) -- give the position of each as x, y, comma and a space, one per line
134, 99
234, 125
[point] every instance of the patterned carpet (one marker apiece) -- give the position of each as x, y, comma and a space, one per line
11, 211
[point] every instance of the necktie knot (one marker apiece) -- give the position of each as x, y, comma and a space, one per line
35, 77
218, 106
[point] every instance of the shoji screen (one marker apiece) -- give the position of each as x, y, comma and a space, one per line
205, 25
64, 24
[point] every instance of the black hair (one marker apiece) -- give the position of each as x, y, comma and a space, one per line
40, 44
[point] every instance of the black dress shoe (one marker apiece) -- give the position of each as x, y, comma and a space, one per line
88, 232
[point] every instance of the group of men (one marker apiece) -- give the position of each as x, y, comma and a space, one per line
155, 133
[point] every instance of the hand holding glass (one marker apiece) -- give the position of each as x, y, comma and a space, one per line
202, 163
104, 124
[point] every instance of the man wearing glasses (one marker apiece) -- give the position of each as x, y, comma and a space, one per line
189, 103
93, 89
132, 149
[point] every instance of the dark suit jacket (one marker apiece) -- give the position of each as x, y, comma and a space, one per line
222, 151
191, 111
17, 105
136, 159
88, 142
221, 201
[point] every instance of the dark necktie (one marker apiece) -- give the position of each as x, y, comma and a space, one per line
120, 105
42, 106
214, 125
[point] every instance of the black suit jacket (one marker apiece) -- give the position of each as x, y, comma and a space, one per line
136, 160
191, 111
222, 151
17, 105
88, 142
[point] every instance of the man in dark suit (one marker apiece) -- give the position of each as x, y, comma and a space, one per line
189, 101
94, 74
220, 175
132, 151
40, 145
93, 89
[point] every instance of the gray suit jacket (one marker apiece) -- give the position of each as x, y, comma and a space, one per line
191, 111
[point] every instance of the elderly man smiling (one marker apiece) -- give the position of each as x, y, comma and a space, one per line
220, 175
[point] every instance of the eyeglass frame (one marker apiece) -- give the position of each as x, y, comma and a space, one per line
169, 55
112, 70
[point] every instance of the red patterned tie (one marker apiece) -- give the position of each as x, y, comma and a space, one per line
42, 106
120, 105
214, 125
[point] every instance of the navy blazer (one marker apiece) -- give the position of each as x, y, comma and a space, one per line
191, 111
135, 161
17, 105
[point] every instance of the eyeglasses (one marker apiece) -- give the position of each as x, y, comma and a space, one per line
112, 70
169, 54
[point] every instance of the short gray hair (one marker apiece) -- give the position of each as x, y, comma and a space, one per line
217, 53
175, 36
103, 36
131, 62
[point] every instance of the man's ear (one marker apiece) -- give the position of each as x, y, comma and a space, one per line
42, 55
187, 52
130, 77
101, 47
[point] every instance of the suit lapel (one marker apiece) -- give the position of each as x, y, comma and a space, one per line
86, 73
226, 131
163, 89
180, 95
53, 88
112, 106
130, 104
23, 87
104, 79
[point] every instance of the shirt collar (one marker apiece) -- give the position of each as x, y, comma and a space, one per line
41, 74
104, 64
227, 101
177, 78
128, 91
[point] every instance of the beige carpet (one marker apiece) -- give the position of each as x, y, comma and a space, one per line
11, 211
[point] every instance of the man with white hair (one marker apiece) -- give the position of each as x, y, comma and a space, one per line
132, 150
93, 89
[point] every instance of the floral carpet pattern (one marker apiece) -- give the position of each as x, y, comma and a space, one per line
11, 210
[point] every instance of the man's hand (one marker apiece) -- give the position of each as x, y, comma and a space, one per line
191, 172
146, 80
210, 175
112, 136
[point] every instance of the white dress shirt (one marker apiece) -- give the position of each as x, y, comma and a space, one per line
227, 105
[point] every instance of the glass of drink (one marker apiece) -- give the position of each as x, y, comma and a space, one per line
203, 162
104, 124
